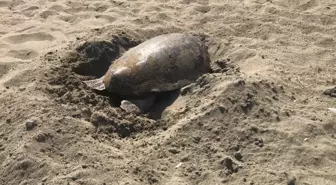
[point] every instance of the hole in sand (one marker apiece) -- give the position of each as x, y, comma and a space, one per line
90, 61
99, 55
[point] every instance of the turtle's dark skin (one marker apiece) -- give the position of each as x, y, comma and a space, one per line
164, 63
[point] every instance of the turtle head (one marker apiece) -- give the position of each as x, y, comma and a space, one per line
114, 80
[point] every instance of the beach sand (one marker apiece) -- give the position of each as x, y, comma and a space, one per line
261, 118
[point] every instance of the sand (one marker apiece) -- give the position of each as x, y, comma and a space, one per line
265, 116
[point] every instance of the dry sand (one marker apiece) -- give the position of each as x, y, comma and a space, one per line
261, 119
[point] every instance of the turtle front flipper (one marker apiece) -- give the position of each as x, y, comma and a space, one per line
138, 106
96, 84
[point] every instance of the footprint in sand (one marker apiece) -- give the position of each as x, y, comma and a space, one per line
10, 75
106, 17
24, 54
5, 67
15, 78
30, 11
57, 8
69, 19
22, 38
48, 13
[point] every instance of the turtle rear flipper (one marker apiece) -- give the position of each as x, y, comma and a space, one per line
138, 106
96, 84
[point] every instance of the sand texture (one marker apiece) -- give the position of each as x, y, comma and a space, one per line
266, 115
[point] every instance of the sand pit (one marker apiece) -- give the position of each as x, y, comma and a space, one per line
262, 117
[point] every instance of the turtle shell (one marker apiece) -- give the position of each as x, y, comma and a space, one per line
163, 63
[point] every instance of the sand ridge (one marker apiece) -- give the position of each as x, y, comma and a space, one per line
262, 119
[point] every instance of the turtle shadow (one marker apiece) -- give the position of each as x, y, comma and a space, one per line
163, 100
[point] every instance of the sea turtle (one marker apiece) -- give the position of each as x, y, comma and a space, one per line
163, 63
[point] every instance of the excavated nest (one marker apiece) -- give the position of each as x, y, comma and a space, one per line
89, 61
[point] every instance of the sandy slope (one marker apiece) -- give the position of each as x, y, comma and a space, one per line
263, 121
